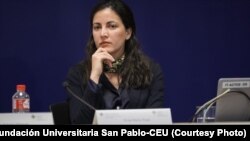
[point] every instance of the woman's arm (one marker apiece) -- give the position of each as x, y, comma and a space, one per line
80, 113
156, 97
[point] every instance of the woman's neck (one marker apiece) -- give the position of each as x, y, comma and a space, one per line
114, 79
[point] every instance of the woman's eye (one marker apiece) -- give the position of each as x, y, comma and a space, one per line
96, 27
112, 26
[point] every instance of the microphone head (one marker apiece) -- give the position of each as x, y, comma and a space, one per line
65, 84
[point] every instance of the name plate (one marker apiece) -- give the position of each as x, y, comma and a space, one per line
158, 116
27, 118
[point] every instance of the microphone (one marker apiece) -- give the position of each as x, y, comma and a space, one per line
67, 87
212, 101
209, 103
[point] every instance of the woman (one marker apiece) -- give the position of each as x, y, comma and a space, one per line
115, 73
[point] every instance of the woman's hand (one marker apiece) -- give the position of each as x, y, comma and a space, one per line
98, 58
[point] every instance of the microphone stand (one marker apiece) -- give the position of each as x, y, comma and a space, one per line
208, 103
67, 86
206, 110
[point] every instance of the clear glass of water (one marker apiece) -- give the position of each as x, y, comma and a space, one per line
207, 115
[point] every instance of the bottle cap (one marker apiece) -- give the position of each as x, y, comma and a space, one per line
20, 87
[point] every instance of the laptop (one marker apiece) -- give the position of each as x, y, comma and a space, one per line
234, 105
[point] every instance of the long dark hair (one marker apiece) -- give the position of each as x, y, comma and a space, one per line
135, 71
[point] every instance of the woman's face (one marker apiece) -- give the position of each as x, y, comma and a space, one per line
109, 32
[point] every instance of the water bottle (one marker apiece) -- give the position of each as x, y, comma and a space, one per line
20, 100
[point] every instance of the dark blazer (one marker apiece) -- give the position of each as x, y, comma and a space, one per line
150, 97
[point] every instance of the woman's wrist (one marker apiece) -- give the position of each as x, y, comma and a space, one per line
94, 78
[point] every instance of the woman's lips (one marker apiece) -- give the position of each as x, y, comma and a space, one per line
103, 44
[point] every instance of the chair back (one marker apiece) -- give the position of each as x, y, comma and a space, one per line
60, 112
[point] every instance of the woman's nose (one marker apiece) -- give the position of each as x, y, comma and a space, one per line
104, 32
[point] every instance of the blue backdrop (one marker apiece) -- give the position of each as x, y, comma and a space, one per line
196, 42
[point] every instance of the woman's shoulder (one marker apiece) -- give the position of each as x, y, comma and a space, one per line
153, 64
77, 69
75, 73
78, 66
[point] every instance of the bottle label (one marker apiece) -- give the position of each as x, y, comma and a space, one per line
21, 104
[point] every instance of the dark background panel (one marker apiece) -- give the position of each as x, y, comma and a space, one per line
195, 41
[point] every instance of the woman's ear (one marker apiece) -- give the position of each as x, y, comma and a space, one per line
128, 33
